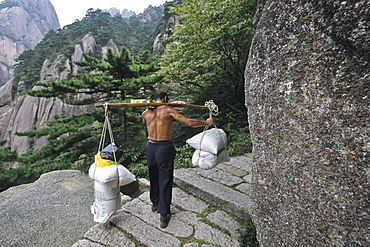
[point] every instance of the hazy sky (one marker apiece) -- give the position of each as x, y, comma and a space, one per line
70, 10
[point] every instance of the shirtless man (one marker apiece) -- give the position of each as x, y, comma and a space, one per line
160, 152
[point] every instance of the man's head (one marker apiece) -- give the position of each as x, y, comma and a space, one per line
161, 96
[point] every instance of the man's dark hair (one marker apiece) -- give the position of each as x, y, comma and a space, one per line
160, 95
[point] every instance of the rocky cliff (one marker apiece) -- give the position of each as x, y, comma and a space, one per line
150, 14
169, 30
307, 93
24, 113
23, 23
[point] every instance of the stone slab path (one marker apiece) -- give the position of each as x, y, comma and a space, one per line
208, 207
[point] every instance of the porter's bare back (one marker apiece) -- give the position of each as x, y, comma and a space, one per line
159, 122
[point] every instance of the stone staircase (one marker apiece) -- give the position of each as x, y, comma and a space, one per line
208, 207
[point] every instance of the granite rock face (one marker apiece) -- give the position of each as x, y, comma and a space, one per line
307, 93
170, 29
23, 23
52, 211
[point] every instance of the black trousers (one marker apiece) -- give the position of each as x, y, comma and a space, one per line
160, 157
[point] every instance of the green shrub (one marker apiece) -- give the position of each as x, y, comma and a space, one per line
140, 170
239, 141
247, 235
183, 157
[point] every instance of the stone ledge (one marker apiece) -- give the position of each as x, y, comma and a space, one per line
233, 202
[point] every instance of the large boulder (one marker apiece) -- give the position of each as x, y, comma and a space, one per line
89, 44
6, 94
307, 93
52, 211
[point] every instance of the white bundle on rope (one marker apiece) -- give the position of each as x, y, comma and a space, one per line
210, 144
212, 140
206, 160
108, 176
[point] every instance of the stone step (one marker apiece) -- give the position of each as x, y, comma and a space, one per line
191, 223
208, 206
226, 186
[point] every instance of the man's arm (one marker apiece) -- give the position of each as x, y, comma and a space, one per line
189, 122
143, 116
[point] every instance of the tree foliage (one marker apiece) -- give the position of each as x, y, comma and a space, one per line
101, 26
209, 50
6, 155
99, 80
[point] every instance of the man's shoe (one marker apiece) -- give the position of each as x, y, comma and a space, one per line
164, 219
154, 208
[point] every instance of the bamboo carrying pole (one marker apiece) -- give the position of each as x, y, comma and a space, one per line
117, 105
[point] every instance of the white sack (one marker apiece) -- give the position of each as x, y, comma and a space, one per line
206, 160
107, 201
212, 140
109, 175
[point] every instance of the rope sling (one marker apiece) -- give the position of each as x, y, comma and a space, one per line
100, 162
106, 126
212, 107
213, 112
